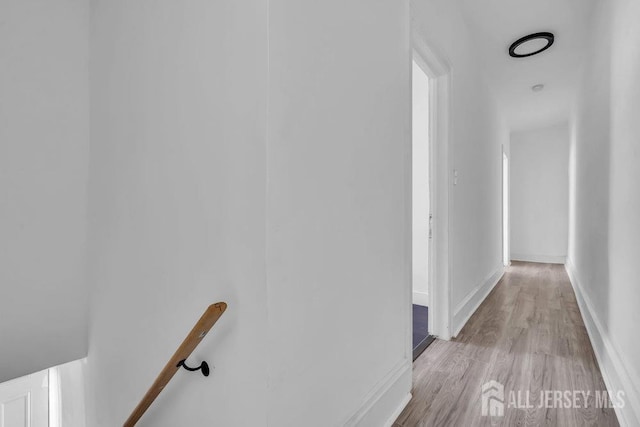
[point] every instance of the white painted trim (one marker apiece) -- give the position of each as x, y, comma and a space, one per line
472, 301
421, 298
439, 291
385, 398
616, 376
407, 149
55, 395
546, 259
392, 419
429, 60
506, 208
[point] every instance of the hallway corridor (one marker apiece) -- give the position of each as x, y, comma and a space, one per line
529, 336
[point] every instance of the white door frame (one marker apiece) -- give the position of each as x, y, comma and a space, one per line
439, 73
506, 224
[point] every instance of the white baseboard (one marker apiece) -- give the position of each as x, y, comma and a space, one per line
420, 298
392, 419
472, 301
546, 259
387, 399
616, 376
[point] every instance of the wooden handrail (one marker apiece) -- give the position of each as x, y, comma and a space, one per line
206, 322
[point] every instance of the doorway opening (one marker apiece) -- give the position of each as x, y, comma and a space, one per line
430, 183
52, 397
421, 209
506, 251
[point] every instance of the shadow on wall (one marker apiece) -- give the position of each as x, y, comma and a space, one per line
590, 154
605, 200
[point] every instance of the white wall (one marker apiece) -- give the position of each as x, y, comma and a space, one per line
420, 185
338, 213
177, 204
183, 175
604, 243
44, 134
477, 135
540, 194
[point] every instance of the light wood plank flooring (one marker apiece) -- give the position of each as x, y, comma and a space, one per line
528, 335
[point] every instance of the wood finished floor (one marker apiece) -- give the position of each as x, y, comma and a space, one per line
528, 335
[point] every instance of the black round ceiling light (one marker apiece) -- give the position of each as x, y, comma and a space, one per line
531, 45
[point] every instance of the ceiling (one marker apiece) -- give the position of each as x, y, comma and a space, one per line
495, 24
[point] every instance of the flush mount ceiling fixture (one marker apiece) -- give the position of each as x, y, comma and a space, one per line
531, 45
